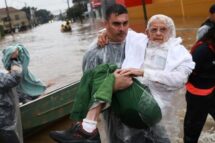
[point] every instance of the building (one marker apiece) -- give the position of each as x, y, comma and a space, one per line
173, 8
96, 5
17, 20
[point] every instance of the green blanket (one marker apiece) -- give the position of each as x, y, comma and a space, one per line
135, 106
29, 84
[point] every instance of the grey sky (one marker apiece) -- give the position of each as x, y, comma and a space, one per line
52, 5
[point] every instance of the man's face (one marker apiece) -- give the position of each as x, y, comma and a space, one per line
158, 32
117, 27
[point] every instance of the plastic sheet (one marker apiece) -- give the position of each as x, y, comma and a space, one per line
113, 53
118, 132
10, 121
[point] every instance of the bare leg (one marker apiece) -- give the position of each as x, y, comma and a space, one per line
93, 113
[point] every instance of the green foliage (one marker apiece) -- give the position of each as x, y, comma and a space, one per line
77, 10
27, 10
43, 16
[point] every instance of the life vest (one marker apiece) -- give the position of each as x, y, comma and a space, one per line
198, 91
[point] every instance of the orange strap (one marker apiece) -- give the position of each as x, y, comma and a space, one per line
197, 91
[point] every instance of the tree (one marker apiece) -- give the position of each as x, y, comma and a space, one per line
43, 16
77, 10
27, 10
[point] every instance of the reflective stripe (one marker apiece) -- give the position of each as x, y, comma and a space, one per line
197, 91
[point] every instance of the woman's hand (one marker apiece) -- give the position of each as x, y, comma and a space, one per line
103, 39
132, 72
121, 81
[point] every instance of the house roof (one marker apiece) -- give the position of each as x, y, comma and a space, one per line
11, 10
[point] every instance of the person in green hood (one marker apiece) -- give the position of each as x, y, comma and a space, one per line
29, 87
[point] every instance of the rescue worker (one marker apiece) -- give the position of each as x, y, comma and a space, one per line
200, 94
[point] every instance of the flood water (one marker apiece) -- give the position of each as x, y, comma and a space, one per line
57, 57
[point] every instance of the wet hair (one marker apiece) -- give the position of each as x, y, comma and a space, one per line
167, 20
210, 36
116, 9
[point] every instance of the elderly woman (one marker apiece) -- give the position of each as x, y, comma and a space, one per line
158, 61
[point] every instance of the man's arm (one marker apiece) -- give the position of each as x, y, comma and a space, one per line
202, 31
91, 60
179, 65
12, 79
170, 80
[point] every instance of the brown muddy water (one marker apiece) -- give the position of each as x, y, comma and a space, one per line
57, 57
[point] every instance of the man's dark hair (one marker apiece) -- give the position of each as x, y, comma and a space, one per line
210, 36
212, 9
116, 9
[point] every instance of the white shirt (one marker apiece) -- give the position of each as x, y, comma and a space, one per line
155, 58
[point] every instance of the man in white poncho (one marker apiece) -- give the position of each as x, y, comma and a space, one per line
158, 61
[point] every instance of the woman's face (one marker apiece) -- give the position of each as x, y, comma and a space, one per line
15, 54
158, 32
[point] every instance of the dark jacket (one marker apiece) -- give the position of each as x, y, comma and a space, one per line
203, 77
7, 108
209, 23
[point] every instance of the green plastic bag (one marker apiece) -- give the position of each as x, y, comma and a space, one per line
136, 107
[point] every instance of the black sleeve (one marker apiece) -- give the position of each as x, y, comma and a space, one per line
9, 80
203, 57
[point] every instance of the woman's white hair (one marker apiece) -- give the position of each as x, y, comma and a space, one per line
167, 20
